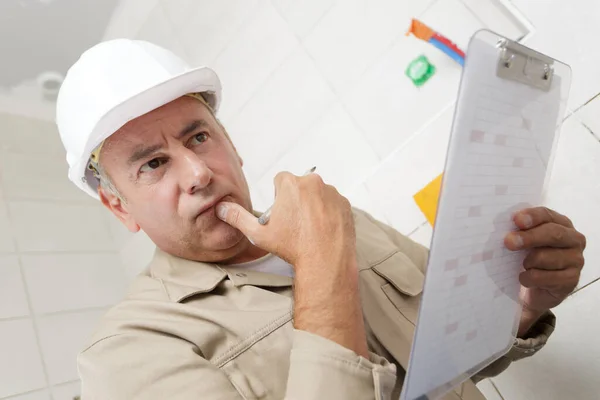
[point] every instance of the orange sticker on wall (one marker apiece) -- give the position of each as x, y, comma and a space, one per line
427, 198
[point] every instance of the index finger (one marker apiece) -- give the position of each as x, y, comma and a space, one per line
531, 217
241, 219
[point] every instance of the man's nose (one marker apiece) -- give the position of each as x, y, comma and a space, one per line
195, 173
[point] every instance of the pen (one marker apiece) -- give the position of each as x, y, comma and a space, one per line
264, 218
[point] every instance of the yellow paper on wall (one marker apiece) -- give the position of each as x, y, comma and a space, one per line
427, 198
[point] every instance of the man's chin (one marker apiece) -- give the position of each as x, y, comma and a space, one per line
222, 236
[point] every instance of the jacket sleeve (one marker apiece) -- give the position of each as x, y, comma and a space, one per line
153, 366
523, 347
150, 366
322, 369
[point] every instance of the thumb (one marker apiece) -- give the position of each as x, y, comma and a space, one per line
238, 217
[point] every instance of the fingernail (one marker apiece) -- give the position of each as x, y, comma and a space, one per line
222, 211
517, 240
526, 220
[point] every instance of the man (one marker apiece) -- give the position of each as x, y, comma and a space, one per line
214, 316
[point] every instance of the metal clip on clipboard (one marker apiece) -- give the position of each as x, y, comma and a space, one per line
521, 64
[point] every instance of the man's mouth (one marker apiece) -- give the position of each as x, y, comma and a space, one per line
210, 206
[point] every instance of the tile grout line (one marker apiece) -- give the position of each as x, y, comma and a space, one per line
74, 311
12, 396
60, 252
337, 96
590, 131
32, 315
56, 313
584, 104
172, 30
584, 286
34, 321
496, 389
15, 395
474, 14
368, 67
417, 228
369, 174
69, 202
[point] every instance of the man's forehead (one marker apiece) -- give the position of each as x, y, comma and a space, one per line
169, 119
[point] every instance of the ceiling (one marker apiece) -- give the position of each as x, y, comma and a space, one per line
45, 37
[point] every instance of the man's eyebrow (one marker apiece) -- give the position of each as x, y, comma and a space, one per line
143, 152
191, 127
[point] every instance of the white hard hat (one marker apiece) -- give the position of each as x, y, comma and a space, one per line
114, 82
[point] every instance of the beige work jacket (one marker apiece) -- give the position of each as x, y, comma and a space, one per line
190, 330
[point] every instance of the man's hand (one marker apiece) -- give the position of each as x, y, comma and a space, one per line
553, 264
312, 228
310, 222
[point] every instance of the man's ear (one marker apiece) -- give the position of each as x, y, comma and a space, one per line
118, 207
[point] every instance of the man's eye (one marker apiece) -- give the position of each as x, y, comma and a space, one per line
152, 165
199, 138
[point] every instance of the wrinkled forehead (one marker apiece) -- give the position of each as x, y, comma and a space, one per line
167, 120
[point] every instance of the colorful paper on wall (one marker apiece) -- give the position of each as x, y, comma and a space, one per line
427, 198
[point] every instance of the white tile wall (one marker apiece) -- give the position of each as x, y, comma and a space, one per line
178, 11
269, 124
20, 365
208, 26
361, 198
129, 17
568, 367
355, 33
37, 395
320, 146
488, 390
158, 29
303, 16
67, 391
568, 31
408, 170
259, 203
386, 104
590, 115
136, 254
423, 234
27, 135
59, 231
495, 17
260, 46
13, 300
62, 337
29, 176
44, 226
119, 233
72, 281
574, 189
437, 18
7, 244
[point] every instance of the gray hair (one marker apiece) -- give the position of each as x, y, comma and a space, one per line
105, 182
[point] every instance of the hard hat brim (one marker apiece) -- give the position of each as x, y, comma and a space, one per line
198, 80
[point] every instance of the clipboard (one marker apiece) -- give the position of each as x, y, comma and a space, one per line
506, 124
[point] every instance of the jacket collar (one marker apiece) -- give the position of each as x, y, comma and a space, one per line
183, 278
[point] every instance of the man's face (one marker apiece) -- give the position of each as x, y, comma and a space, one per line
172, 166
